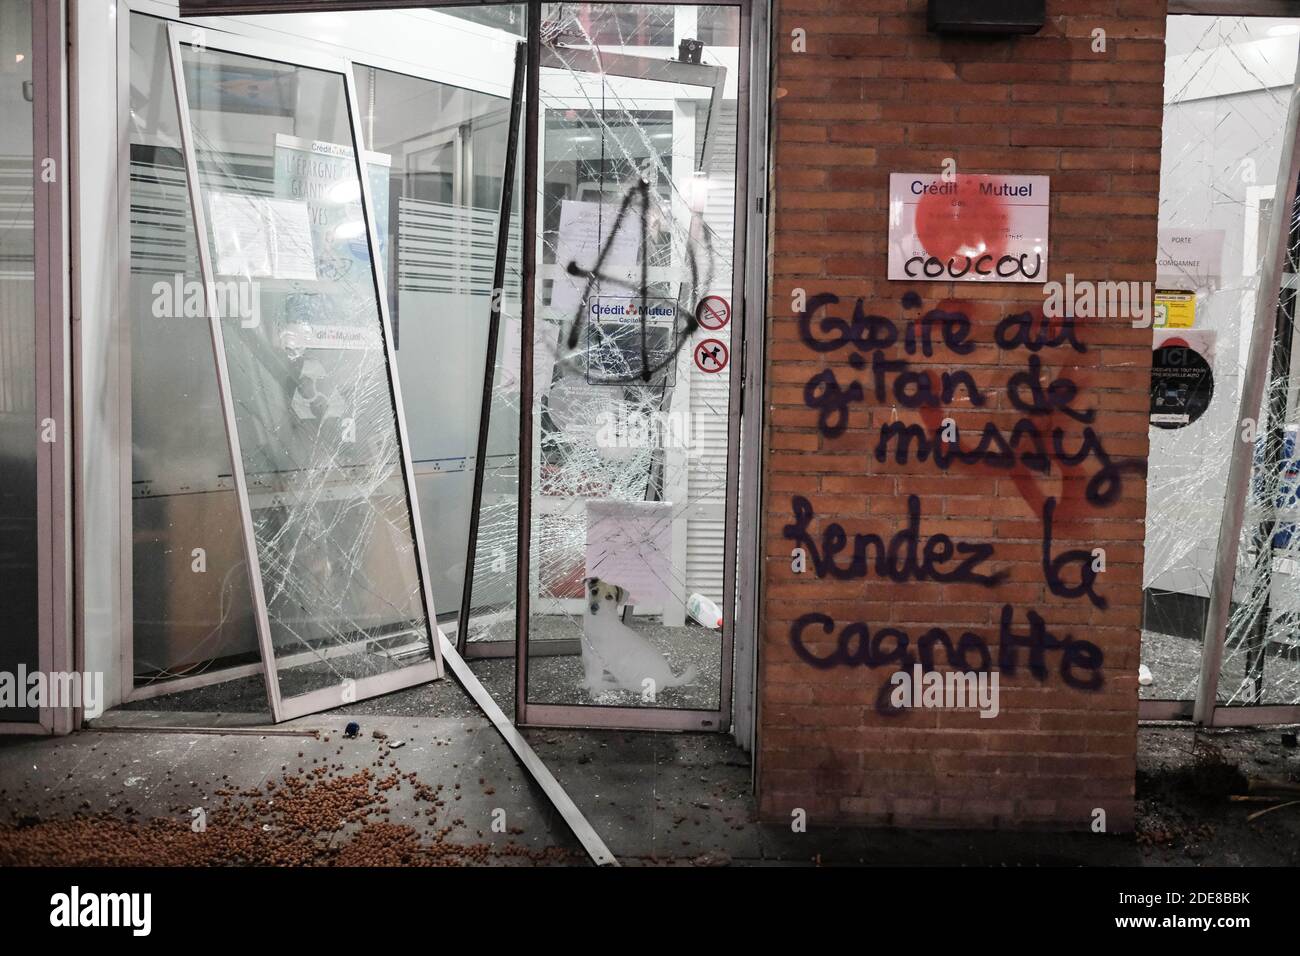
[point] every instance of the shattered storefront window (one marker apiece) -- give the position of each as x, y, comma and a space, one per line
435, 159
632, 356
1228, 86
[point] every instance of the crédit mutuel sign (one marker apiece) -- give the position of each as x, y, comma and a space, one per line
968, 228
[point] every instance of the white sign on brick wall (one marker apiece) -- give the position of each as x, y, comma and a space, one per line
968, 228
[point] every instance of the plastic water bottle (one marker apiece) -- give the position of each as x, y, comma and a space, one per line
703, 610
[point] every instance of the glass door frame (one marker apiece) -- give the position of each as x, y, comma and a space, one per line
323, 698
596, 715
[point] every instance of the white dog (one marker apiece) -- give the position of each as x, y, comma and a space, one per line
611, 647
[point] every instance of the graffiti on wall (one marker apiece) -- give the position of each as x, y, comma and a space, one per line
1053, 437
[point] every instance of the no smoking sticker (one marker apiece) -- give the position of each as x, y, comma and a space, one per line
714, 313
711, 356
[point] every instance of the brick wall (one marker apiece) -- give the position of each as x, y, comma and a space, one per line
874, 93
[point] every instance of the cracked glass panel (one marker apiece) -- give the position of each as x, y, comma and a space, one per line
309, 381
632, 355
1227, 89
1261, 658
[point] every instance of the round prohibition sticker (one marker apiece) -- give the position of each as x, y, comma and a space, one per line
711, 356
713, 313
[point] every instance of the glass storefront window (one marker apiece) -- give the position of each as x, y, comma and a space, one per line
1228, 88
632, 378
19, 424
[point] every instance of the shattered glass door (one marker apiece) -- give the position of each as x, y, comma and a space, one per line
288, 240
632, 545
1229, 83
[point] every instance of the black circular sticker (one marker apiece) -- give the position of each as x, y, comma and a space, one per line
1182, 385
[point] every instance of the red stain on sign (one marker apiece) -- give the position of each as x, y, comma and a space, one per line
963, 222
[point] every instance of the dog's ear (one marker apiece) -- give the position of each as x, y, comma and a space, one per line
593, 584
620, 595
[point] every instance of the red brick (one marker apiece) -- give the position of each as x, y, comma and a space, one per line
877, 94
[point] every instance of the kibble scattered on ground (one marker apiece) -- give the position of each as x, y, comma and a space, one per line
320, 817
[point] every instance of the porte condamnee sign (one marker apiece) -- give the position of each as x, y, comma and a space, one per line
968, 227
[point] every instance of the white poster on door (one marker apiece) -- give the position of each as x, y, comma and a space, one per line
587, 229
630, 543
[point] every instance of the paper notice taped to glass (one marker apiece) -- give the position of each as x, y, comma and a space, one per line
586, 231
629, 543
257, 237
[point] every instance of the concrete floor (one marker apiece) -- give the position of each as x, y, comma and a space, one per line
126, 791
556, 679
1175, 664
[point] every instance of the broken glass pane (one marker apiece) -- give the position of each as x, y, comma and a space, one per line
1261, 658
1228, 84
632, 356
308, 375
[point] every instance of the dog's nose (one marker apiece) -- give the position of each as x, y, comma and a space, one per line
595, 608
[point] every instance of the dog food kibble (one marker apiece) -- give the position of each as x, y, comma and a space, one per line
304, 819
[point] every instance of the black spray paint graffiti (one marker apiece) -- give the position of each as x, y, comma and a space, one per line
1026, 446
690, 303
1004, 267
1079, 665
903, 558
1030, 448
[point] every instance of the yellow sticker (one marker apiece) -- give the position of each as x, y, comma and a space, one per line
1175, 310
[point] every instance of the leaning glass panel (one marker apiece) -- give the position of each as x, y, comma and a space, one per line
311, 391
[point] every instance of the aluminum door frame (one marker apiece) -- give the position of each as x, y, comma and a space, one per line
324, 698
